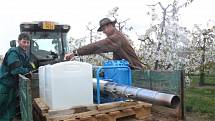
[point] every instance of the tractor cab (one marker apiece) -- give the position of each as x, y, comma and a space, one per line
48, 43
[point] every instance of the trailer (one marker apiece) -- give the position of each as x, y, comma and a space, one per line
34, 109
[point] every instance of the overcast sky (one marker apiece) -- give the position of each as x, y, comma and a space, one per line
77, 13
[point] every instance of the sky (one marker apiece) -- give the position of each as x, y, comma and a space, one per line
78, 13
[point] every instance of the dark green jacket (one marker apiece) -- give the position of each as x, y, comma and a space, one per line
15, 62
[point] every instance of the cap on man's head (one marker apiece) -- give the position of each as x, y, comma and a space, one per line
24, 36
105, 21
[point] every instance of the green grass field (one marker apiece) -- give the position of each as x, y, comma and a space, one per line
201, 100
208, 80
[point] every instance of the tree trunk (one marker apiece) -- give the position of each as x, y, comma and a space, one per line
202, 67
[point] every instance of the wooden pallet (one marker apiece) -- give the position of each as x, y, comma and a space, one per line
101, 112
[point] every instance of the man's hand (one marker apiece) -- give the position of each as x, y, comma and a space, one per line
29, 75
69, 56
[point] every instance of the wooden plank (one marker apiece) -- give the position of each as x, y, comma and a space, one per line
40, 105
104, 117
37, 116
126, 112
96, 112
114, 113
144, 104
142, 113
120, 114
73, 110
88, 118
40, 110
106, 106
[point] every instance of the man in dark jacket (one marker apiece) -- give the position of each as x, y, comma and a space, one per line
115, 42
15, 62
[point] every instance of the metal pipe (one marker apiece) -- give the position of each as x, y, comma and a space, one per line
140, 94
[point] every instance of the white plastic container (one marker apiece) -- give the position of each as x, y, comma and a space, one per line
47, 87
42, 82
68, 84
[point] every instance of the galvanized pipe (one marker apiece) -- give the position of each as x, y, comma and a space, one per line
140, 94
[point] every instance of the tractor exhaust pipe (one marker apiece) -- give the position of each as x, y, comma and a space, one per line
141, 94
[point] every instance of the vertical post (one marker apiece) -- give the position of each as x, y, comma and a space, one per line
181, 115
98, 85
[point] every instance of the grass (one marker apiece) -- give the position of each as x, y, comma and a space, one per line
201, 100
208, 80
